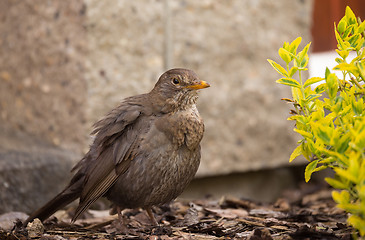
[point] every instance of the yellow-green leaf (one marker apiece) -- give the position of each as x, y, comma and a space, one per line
346, 174
294, 45
322, 132
341, 197
332, 83
339, 60
336, 183
310, 169
312, 80
292, 71
311, 97
343, 143
286, 45
278, 68
341, 45
296, 153
304, 133
299, 118
341, 158
289, 81
361, 191
336, 196
359, 43
302, 56
354, 40
361, 27
361, 68
358, 223
342, 25
351, 19
297, 94
343, 53
285, 55
347, 67
345, 35
307, 147
320, 88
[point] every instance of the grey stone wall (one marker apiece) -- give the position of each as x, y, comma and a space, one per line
42, 84
64, 64
42, 99
227, 44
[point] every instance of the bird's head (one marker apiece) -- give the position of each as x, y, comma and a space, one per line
179, 87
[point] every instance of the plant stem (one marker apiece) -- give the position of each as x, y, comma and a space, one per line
356, 83
303, 94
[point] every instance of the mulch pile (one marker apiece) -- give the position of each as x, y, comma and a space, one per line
309, 214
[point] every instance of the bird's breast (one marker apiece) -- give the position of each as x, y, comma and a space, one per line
183, 127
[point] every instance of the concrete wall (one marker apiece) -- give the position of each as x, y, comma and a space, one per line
43, 95
64, 64
227, 44
42, 84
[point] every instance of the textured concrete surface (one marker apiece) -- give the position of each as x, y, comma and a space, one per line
30, 189
227, 44
125, 42
42, 86
248, 185
31, 171
42, 99
64, 64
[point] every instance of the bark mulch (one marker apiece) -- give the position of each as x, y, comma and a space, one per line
309, 214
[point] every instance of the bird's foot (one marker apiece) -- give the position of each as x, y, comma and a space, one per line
152, 217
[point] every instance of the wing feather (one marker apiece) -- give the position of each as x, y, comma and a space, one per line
114, 147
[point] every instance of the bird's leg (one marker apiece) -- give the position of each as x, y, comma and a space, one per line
122, 224
152, 217
120, 215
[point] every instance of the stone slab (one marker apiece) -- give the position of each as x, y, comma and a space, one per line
227, 44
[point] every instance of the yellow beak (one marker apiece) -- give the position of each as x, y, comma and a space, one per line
200, 85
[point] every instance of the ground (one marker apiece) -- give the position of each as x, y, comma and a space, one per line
307, 213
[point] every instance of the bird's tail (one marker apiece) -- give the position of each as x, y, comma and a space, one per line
61, 200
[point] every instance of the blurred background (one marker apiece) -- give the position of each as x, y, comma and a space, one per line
65, 64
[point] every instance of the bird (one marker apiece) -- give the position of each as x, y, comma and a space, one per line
144, 153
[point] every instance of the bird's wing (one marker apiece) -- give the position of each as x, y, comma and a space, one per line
113, 149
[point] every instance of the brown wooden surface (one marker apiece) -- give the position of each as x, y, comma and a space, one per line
325, 13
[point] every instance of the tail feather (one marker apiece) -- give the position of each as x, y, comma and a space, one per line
61, 200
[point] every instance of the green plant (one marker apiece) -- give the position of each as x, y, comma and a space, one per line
331, 117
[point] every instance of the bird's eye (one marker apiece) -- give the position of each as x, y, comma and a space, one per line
175, 81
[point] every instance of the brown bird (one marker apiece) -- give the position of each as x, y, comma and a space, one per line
145, 151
